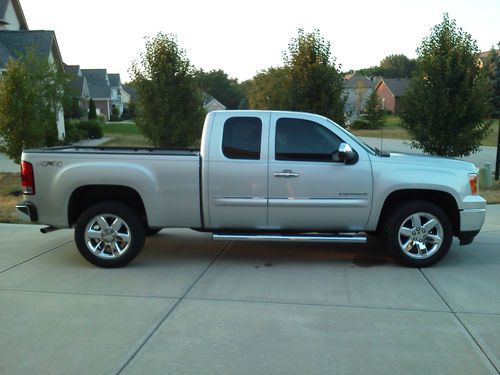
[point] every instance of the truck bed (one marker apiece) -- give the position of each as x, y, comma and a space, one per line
116, 150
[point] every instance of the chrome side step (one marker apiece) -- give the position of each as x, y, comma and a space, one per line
292, 238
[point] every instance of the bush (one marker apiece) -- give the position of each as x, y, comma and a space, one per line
74, 133
115, 114
91, 128
361, 124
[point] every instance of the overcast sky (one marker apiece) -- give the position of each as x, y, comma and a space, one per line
244, 37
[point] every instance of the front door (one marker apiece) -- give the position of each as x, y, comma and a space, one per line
309, 188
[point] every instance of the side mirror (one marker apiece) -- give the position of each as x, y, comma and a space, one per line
347, 154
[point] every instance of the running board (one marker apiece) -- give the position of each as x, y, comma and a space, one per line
294, 238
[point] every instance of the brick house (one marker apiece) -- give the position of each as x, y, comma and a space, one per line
358, 88
390, 91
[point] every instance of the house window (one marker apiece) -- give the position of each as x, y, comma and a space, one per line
242, 138
303, 140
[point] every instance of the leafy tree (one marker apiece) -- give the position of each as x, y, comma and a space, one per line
217, 83
92, 110
32, 91
315, 83
392, 66
169, 106
269, 90
494, 75
448, 96
374, 112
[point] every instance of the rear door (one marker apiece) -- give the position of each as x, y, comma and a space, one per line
237, 171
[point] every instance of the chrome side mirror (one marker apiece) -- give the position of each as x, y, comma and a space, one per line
347, 154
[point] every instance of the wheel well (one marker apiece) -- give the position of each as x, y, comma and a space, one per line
87, 196
439, 198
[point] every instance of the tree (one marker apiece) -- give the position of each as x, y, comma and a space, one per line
217, 83
315, 83
92, 110
169, 106
392, 66
32, 91
269, 90
448, 96
494, 75
374, 111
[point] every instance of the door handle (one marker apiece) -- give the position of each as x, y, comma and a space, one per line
287, 173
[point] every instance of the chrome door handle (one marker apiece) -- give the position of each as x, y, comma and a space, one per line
287, 173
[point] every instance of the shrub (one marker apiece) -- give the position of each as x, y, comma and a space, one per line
115, 114
361, 124
73, 133
91, 128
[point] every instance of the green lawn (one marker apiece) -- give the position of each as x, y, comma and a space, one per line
124, 134
392, 129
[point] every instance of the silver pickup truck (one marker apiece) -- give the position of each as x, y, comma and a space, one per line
260, 175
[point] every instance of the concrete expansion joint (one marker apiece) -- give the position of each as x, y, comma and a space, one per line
170, 311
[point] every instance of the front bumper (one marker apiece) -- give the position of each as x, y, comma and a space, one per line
472, 219
26, 211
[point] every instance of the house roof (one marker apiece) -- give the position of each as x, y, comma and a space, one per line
114, 79
131, 90
77, 86
397, 86
23, 25
72, 69
14, 43
358, 80
98, 83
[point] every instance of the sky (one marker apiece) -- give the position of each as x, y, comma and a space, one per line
243, 38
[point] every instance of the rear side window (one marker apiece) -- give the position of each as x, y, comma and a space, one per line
242, 138
304, 140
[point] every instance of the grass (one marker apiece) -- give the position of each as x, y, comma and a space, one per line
10, 194
392, 129
492, 194
124, 134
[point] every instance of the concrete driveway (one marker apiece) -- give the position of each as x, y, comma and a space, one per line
189, 305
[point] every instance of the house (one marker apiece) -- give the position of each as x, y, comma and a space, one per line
16, 38
116, 92
12, 16
105, 90
390, 91
79, 90
358, 88
100, 90
212, 104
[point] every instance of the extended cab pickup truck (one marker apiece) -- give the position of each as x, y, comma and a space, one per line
260, 175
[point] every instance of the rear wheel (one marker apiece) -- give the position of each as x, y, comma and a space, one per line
109, 234
419, 234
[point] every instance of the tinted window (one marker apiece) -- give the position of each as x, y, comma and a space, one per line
304, 140
241, 138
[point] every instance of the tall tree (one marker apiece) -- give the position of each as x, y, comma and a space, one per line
269, 90
397, 66
494, 74
315, 83
169, 107
374, 111
92, 110
32, 92
218, 84
447, 101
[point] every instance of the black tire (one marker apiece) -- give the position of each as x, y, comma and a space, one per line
96, 239
424, 228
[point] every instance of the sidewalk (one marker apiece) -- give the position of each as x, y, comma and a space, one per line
189, 305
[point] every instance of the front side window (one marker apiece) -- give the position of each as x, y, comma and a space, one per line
242, 138
304, 140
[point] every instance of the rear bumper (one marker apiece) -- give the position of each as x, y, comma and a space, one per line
26, 211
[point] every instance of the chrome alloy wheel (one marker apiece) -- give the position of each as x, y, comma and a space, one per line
107, 236
421, 235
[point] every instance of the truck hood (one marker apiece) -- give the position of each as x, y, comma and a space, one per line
421, 160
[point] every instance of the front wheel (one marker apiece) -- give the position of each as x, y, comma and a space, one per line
418, 234
109, 234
